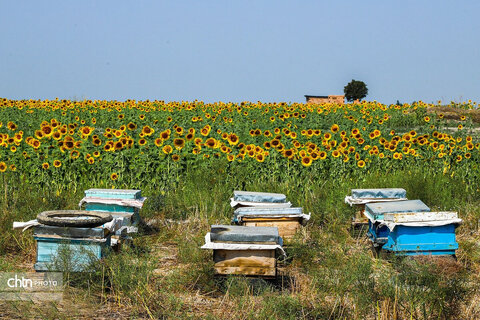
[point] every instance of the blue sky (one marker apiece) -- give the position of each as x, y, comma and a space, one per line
239, 50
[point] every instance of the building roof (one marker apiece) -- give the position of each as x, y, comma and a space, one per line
323, 97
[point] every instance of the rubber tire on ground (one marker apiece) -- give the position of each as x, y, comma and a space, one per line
60, 218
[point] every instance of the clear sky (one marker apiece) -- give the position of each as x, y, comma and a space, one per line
239, 50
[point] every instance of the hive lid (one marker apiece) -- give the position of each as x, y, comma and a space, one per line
267, 211
384, 193
378, 209
48, 231
113, 193
229, 233
251, 196
406, 217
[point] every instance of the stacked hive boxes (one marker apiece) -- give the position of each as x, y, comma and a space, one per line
244, 250
360, 197
260, 209
252, 248
410, 228
405, 227
123, 205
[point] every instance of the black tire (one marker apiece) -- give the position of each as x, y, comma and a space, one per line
71, 218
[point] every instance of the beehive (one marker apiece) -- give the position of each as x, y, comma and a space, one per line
287, 220
69, 249
244, 250
377, 230
421, 233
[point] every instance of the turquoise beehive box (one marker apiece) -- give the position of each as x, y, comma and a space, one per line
118, 202
69, 249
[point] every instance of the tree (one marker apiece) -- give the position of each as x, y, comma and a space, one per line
355, 90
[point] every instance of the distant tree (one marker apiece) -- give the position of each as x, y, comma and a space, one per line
355, 90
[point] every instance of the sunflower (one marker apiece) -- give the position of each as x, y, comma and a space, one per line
179, 131
167, 149
260, 157
91, 160
47, 130
57, 135
57, 163
3, 166
158, 142
426, 119
68, 144
165, 135
178, 143
230, 157
189, 136
175, 157
211, 142
131, 126
307, 161
86, 131
97, 142
361, 163
114, 176
334, 128
232, 139
142, 142
288, 153
147, 131
118, 145
13, 167
45, 166
96, 154
460, 127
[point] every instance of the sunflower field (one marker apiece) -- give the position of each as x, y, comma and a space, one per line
188, 157
134, 143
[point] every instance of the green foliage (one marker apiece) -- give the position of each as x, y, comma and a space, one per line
355, 90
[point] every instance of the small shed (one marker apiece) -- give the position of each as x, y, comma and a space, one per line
338, 99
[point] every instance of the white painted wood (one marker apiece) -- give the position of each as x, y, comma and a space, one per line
402, 217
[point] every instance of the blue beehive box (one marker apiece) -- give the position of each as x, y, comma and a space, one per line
69, 249
432, 233
113, 193
118, 202
375, 212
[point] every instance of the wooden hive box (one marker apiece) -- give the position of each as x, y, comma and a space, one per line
69, 249
241, 250
287, 220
